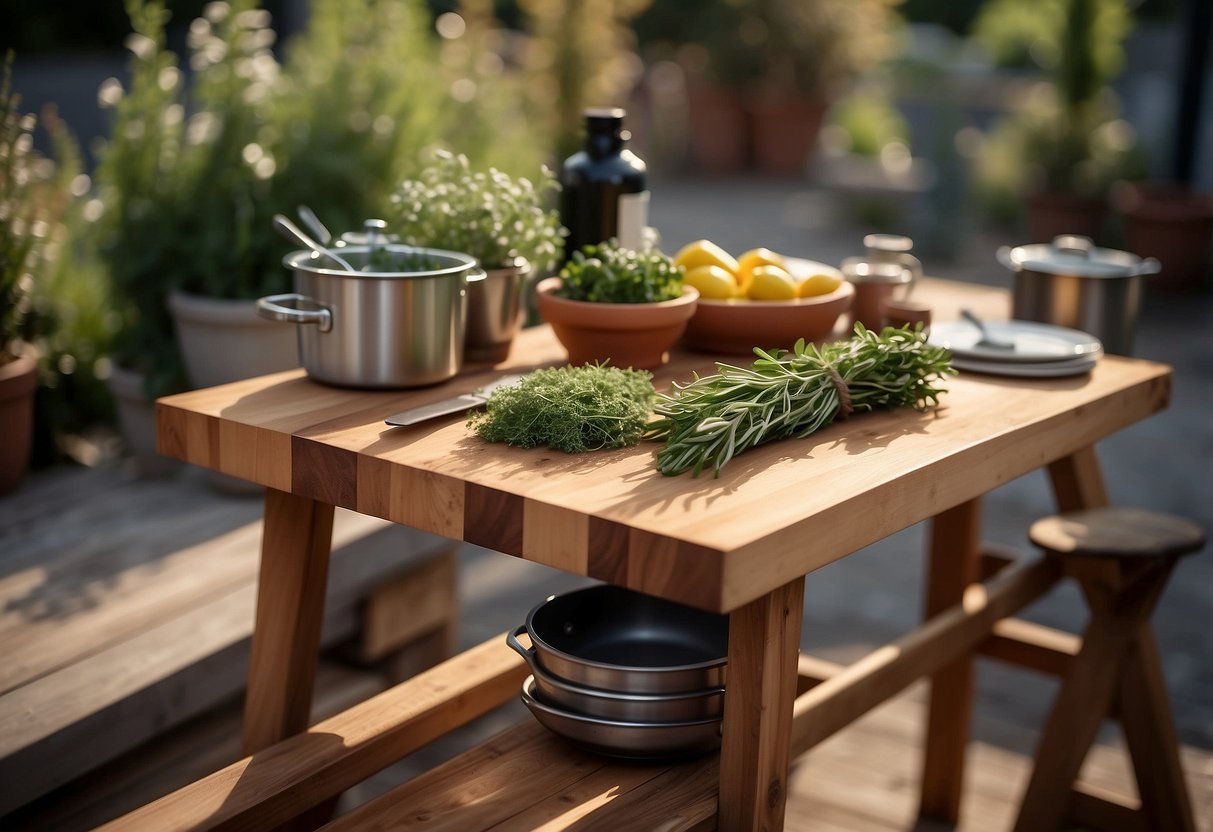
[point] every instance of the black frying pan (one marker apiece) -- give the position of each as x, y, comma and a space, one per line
614, 639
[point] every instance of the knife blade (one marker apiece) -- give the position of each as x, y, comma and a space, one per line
455, 404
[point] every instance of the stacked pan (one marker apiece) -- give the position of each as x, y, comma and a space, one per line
625, 674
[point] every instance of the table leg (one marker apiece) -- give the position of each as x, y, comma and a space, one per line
1077, 481
295, 545
764, 643
954, 564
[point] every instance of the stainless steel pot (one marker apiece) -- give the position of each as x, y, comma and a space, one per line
495, 312
622, 706
613, 639
385, 329
629, 740
1072, 283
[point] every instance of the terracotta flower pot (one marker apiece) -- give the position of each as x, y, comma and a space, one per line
18, 381
719, 136
634, 335
1052, 214
784, 130
1173, 224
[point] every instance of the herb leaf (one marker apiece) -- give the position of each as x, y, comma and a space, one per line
570, 409
707, 422
608, 273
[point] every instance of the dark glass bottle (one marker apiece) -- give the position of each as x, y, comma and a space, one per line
603, 186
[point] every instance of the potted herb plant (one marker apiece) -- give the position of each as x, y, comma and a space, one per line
616, 304
1065, 132
502, 221
34, 194
191, 177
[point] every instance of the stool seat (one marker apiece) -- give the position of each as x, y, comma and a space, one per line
1117, 532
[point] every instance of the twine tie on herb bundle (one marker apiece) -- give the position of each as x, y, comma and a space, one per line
844, 395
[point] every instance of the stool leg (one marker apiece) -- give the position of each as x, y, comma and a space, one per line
1150, 733
1117, 616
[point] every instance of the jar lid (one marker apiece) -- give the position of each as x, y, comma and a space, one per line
1077, 255
861, 270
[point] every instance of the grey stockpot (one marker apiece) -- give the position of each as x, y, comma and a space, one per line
1071, 283
377, 329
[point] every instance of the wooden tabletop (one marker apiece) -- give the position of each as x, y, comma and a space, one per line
776, 512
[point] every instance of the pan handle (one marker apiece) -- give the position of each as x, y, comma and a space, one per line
511, 638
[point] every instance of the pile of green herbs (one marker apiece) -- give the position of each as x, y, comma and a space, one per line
570, 409
386, 260
609, 273
706, 423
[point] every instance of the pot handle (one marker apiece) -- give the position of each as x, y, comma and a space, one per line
476, 275
1149, 266
285, 308
1004, 256
511, 638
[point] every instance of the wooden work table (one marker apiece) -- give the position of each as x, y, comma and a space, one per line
739, 544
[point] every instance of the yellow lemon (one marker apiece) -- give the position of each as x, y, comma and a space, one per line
818, 284
705, 253
712, 282
771, 283
754, 258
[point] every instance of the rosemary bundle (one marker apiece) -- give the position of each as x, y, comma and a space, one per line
571, 409
709, 421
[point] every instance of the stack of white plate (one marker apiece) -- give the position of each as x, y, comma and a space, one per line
1023, 348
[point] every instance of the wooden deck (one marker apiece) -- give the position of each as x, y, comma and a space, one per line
864, 778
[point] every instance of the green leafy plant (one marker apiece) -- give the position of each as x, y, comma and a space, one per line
180, 198
35, 194
489, 215
707, 422
570, 409
609, 273
1065, 134
580, 53
190, 178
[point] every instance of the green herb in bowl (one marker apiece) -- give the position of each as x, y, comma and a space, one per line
608, 273
570, 409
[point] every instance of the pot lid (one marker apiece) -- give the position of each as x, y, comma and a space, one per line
1076, 255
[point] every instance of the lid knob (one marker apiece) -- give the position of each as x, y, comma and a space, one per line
1073, 244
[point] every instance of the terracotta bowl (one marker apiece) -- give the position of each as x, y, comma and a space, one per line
737, 326
634, 335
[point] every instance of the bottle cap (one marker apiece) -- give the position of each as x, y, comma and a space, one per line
604, 114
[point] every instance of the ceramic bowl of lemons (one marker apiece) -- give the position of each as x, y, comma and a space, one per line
770, 304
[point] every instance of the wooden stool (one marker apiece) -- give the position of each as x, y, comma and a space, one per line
1122, 558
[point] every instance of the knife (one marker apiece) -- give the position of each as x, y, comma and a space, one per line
457, 404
